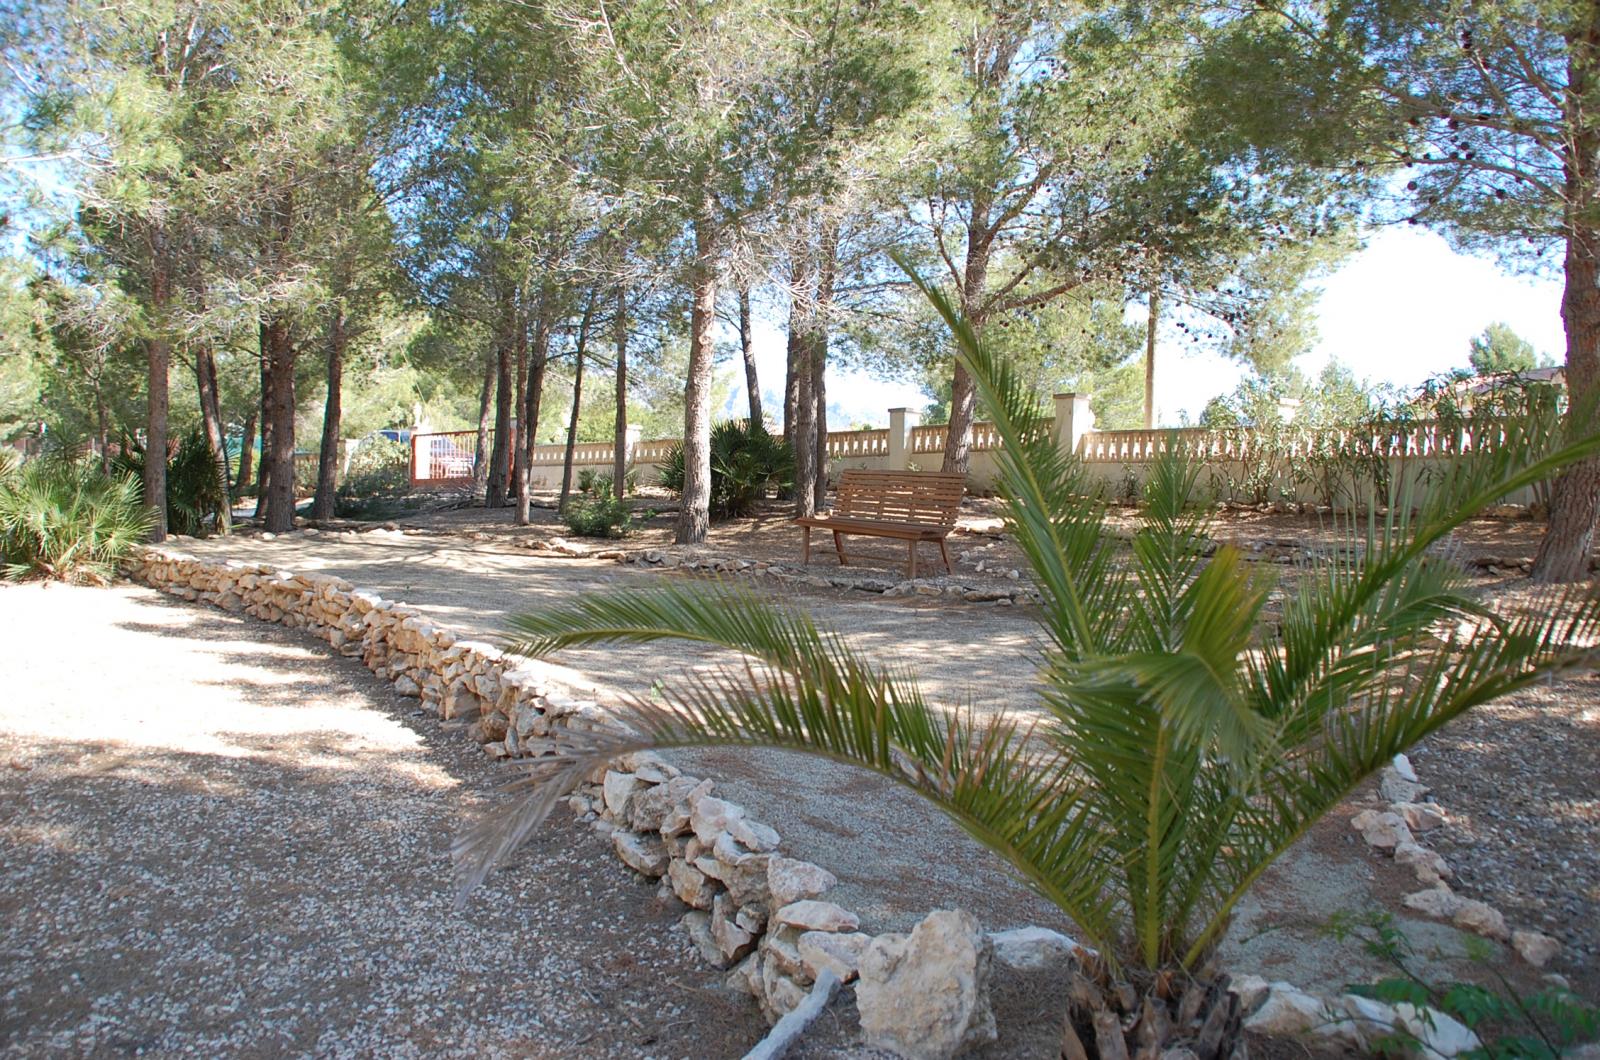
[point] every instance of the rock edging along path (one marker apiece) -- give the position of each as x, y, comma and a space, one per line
752, 910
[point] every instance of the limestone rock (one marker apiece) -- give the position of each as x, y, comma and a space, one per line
618, 789
698, 925
1395, 788
1481, 918
1441, 1036
926, 995
1429, 866
407, 687
811, 915
690, 884
1359, 1021
709, 816
1251, 990
1419, 816
780, 994
1032, 948
643, 854
1287, 1010
649, 806
1435, 901
1382, 830
1535, 948
794, 881
676, 819
733, 941
839, 953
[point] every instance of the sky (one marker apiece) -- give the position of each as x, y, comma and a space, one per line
1400, 311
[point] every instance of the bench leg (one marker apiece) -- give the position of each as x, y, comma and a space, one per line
838, 546
945, 552
911, 550
805, 548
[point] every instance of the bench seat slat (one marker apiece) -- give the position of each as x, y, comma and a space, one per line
911, 506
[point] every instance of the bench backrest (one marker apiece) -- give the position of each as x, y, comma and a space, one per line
924, 498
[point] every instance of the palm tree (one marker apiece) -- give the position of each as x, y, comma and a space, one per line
1191, 732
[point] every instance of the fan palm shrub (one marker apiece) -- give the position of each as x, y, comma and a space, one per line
747, 465
197, 484
66, 519
1193, 722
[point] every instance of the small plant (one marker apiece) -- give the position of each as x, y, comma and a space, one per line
1536, 1026
601, 483
602, 516
67, 520
747, 465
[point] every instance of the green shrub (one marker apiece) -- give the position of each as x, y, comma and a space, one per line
378, 476
599, 483
602, 516
67, 520
747, 465
1538, 1026
195, 491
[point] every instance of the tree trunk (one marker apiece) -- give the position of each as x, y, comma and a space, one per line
619, 463
499, 481
332, 409
828, 269
577, 404
747, 348
791, 378
264, 468
480, 450
519, 346
158, 356
1151, 324
247, 452
802, 358
694, 519
1575, 501
958, 435
279, 465
205, 378
102, 437
528, 429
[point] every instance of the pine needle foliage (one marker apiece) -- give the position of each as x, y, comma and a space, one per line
1196, 721
65, 520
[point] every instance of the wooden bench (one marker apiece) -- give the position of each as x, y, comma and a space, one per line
910, 506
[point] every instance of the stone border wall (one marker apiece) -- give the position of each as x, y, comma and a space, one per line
751, 908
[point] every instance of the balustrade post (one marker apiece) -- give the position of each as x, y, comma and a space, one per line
1074, 419
901, 423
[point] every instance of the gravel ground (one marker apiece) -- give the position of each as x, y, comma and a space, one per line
219, 838
895, 857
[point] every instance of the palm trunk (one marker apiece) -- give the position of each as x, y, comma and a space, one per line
1575, 501
158, 356
328, 455
694, 519
747, 349
619, 464
205, 375
577, 404
279, 464
480, 450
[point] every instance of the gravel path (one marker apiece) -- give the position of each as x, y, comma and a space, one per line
897, 858
219, 838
